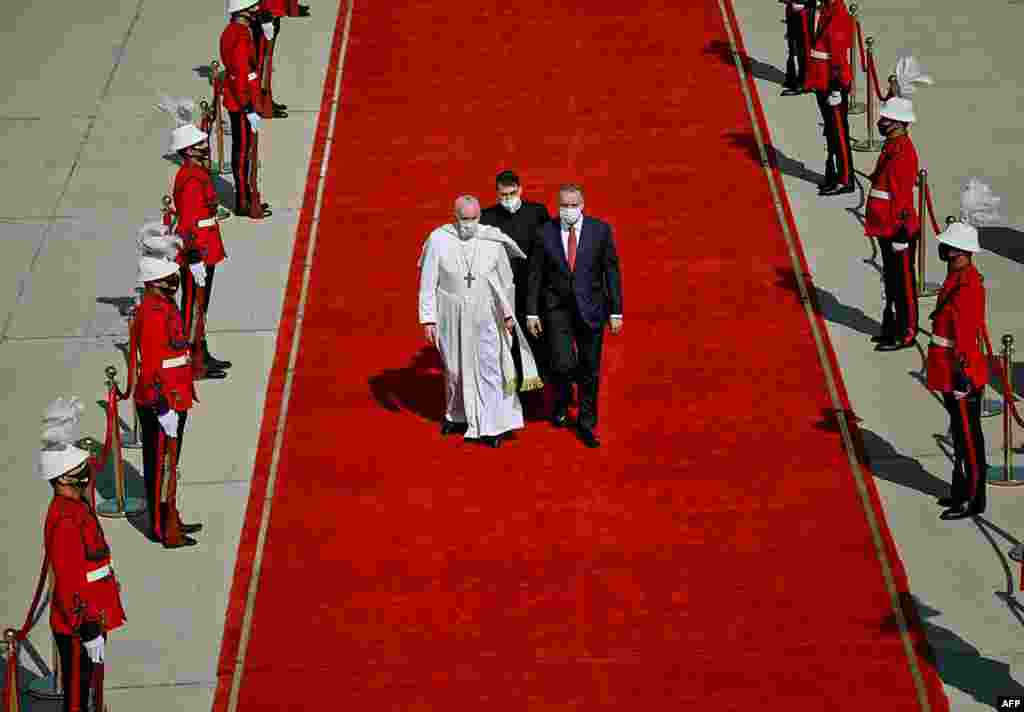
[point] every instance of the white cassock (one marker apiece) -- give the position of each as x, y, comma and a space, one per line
466, 289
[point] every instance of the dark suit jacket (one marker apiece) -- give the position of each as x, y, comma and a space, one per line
595, 289
524, 228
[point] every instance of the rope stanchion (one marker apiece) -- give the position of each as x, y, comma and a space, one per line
1007, 474
931, 209
47, 688
856, 107
925, 289
122, 505
871, 144
217, 82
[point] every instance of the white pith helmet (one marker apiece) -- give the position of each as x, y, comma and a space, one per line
185, 136
960, 236
155, 240
898, 108
59, 455
239, 5
152, 269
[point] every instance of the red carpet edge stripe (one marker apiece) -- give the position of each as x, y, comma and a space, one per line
924, 654
227, 664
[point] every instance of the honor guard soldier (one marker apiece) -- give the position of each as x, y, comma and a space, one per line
892, 219
958, 369
85, 603
829, 75
160, 358
243, 98
265, 34
799, 21
195, 202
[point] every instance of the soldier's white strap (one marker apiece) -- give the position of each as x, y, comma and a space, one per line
942, 341
207, 222
253, 76
97, 574
880, 194
816, 54
900, 246
182, 360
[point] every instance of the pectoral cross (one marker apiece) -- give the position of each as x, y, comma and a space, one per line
469, 280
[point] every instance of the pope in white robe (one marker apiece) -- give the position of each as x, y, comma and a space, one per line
467, 309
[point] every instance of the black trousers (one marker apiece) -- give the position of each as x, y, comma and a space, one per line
970, 467
149, 429
899, 272
64, 643
574, 351
796, 39
241, 160
188, 294
836, 119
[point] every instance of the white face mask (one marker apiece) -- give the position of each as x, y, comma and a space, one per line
511, 203
467, 228
570, 216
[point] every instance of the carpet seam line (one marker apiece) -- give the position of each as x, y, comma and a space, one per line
873, 524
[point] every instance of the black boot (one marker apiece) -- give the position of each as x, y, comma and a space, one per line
303, 10
280, 107
212, 362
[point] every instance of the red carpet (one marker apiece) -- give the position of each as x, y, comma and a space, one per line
713, 555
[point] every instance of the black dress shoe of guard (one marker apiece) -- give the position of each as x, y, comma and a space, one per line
191, 528
491, 440
303, 10
882, 338
827, 186
560, 420
960, 512
279, 107
279, 113
790, 91
949, 503
841, 189
185, 541
588, 438
213, 374
450, 428
216, 364
895, 345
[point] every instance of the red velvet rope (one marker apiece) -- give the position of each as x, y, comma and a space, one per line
931, 208
860, 44
11, 699
873, 75
1007, 393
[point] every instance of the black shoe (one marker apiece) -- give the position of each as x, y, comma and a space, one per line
895, 345
279, 107
491, 440
216, 364
840, 189
303, 10
185, 541
826, 187
191, 528
560, 420
950, 503
790, 91
960, 512
588, 438
882, 338
450, 428
213, 374
279, 113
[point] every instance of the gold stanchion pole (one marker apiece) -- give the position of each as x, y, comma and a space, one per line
856, 107
122, 505
925, 289
218, 113
1008, 475
870, 144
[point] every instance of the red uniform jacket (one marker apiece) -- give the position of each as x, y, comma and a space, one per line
241, 80
892, 190
165, 361
195, 202
829, 55
956, 329
85, 590
277, 8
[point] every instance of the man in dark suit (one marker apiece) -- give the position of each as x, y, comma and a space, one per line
521, 220
574, 288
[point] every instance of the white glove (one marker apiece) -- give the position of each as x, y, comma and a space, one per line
959, 395
835, 98
95, 650
254, 120
198, 271
268, 30
169, 422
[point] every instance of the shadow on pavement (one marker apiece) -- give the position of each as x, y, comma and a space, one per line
755, 67
1006, 242
888, 464
776, 158
418, 388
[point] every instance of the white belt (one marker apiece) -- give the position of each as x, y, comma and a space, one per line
252, 76
97, 574
942, 341
820, 55
876, 193
182, 360
207, 222
900, 246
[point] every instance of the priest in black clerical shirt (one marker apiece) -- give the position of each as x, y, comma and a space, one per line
521, 220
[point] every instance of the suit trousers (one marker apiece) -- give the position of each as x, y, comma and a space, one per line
242, 160
836, 119
796, 39
64, 643
899, 272
149, 429
574, 351
970, 467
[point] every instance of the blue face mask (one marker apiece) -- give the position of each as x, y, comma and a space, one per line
569, 216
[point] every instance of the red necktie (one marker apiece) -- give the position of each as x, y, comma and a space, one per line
572, 248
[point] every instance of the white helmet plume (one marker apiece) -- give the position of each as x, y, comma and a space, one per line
183, 111
155, 240
60, 423
978, 204
909, 74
